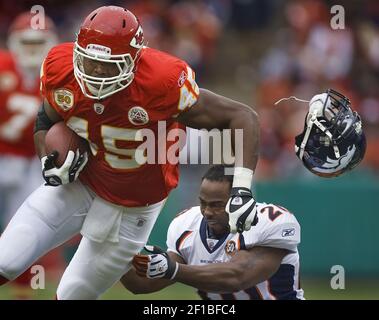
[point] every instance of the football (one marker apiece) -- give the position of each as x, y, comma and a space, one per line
62, 139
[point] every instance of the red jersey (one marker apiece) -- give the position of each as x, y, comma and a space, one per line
19, 103
163, 86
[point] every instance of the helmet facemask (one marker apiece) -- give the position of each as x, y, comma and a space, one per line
96, 87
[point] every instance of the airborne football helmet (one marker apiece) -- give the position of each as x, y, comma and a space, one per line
110, 35
333, 140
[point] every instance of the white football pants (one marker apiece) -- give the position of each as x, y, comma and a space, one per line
52, 215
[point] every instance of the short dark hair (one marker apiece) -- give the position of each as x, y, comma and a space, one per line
217, 173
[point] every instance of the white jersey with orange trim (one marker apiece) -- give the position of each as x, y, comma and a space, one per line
276, 227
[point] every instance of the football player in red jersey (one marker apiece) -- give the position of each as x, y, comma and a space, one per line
19, 103
20, 99
107, 86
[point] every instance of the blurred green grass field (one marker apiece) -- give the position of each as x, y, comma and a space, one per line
315, 289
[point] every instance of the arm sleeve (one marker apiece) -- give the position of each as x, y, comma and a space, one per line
182, 89
42, 87
55, 77
42, 121
172, 237
283, 234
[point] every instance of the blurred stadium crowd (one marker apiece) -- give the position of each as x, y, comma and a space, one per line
258, 51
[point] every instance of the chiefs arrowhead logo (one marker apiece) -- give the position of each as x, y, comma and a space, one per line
138, 39
182, 79
138, 116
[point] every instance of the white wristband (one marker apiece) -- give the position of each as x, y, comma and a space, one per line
243, 177
175, 272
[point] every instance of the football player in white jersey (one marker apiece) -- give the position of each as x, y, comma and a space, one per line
261, 263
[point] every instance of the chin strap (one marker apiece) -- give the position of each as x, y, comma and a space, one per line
313, 121
290, 98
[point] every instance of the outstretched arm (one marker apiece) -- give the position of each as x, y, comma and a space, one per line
215, 111
246, 269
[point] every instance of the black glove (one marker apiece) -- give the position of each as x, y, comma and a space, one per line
68, 172
242, 210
